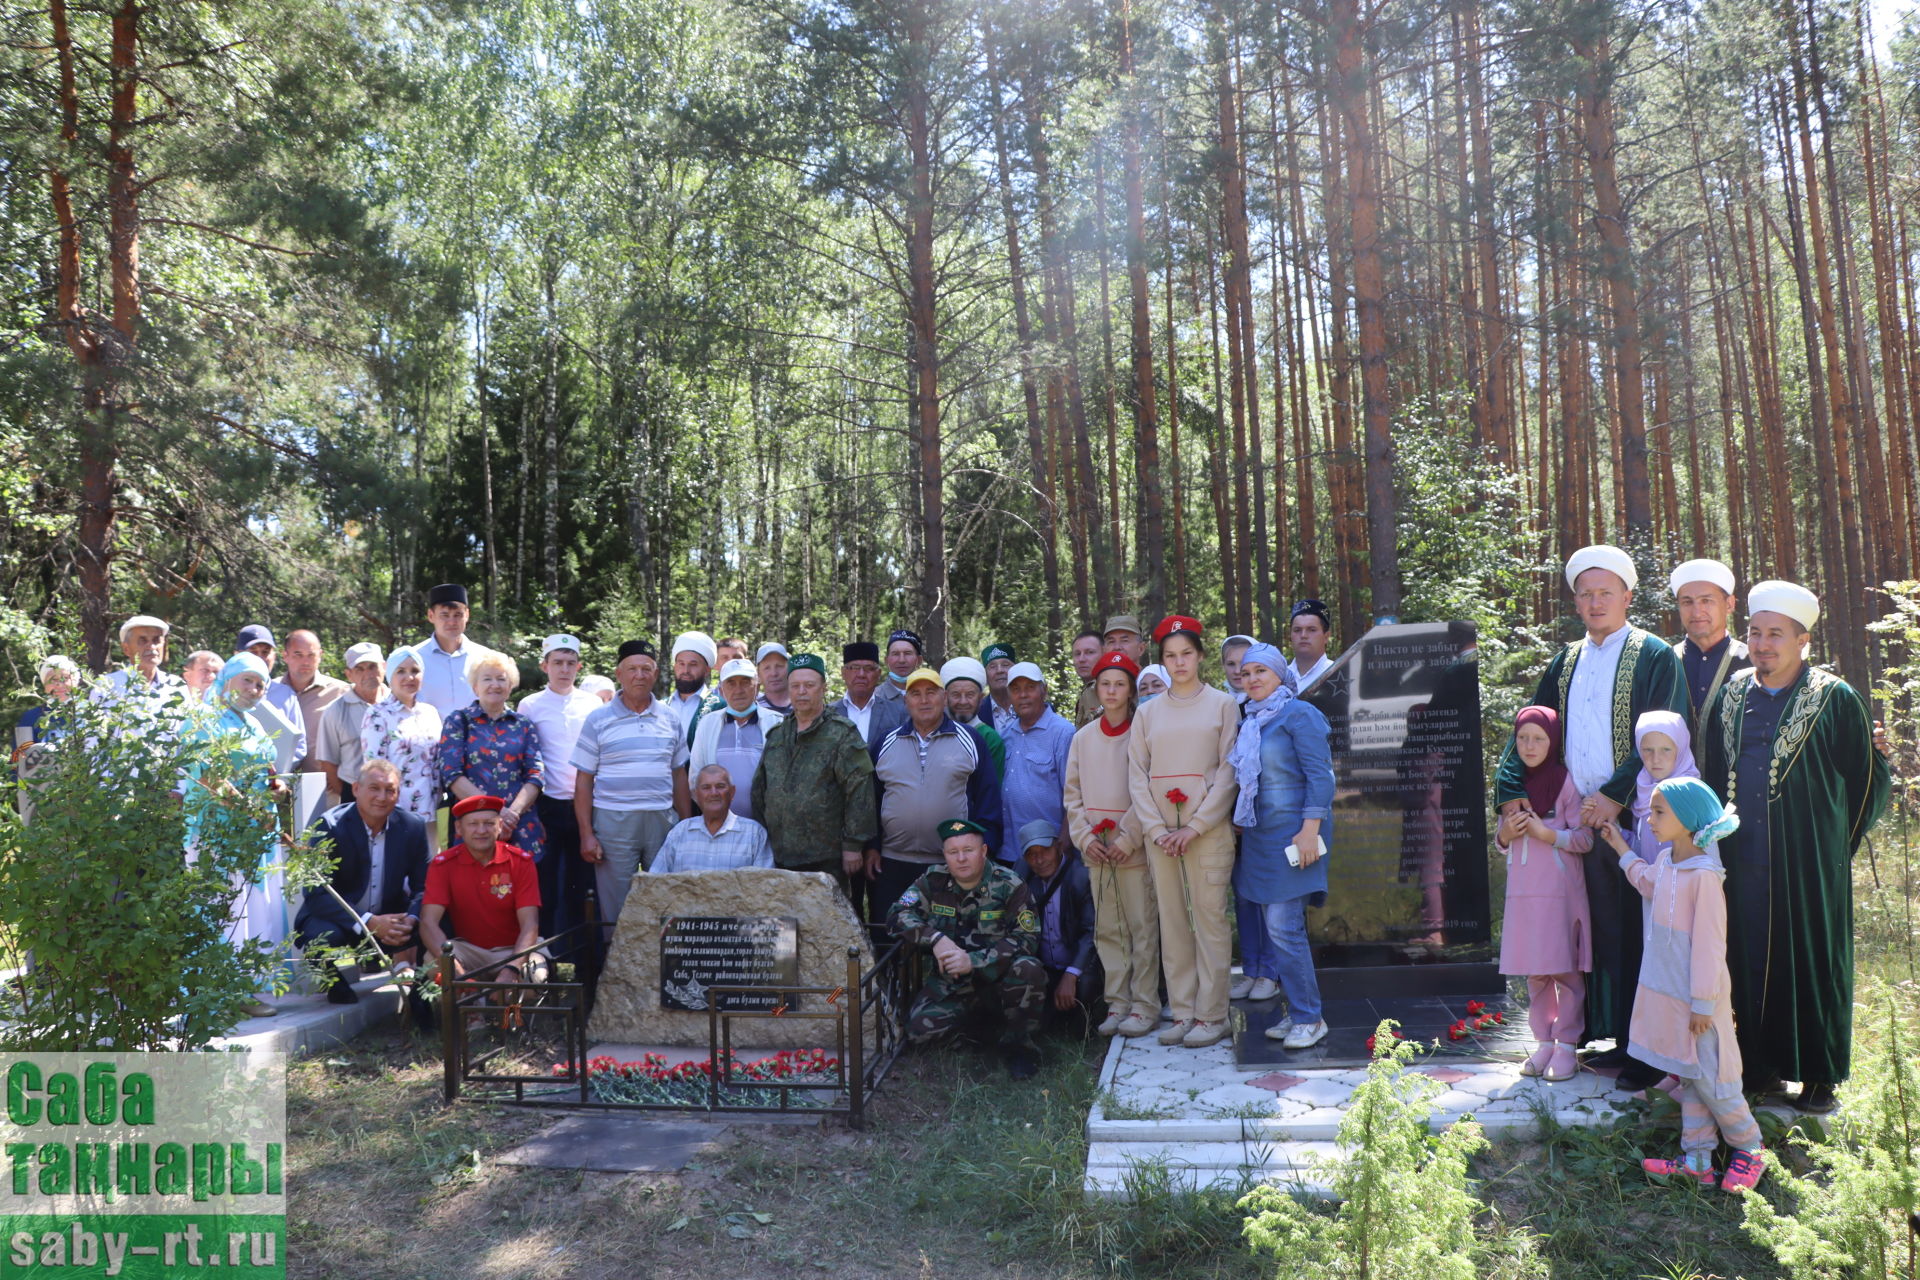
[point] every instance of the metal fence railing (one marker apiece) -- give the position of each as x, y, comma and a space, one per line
540, 1054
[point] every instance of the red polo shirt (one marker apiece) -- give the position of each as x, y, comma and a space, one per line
482, 898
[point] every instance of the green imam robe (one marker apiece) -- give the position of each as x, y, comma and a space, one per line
1649, 678
1790, 871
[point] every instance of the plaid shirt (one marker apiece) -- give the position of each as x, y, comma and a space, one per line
742, 842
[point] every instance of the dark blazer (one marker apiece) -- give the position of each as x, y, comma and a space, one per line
885, 715
1075, 892
404, 872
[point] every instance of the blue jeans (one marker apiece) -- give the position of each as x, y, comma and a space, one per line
1258, 958
1293, 958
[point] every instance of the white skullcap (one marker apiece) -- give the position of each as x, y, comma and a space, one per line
365, 651
561, 641
963, 669
1789, 599
1612, 559
1026, 671
695, 642
143, 620
738, 667
1701, 571
596, 684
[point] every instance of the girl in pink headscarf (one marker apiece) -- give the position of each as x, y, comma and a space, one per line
1547, 937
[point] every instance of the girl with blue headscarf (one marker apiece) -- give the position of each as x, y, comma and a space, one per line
1283, 762
1683, 1007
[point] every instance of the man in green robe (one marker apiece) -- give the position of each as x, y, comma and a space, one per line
1795, 751
1601, 684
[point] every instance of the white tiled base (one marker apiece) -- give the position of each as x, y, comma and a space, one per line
308, 1024
1214, 1126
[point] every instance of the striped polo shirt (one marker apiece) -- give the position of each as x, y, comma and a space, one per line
631, 755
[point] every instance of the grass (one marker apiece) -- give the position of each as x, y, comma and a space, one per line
960, 1174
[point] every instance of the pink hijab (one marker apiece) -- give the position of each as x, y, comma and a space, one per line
1673, 725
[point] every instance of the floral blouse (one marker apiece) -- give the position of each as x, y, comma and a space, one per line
499, 756
411, 739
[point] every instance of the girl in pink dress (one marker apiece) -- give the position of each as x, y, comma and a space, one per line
1683, 1009
1547, 936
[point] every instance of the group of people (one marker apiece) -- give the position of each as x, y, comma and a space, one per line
1050, 864
1733, 783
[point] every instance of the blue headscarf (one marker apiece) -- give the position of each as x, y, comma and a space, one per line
400, 655
1245, 757
1699, 810
240, 664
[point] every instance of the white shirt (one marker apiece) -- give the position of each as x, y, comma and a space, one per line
1589, 725
1321, 666
443, 675
862, 717
684, 706
376, 871
558, 717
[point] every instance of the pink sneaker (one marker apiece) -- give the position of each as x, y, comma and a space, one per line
1743, 1171
1661, 1168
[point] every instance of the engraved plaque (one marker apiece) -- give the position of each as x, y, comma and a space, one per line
701, 952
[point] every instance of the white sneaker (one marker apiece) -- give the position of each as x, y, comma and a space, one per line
1240, 988
1305, 1036
1281, 1029
1264, 989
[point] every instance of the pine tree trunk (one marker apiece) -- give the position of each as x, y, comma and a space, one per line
1152, 556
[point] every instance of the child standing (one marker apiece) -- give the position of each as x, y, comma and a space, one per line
1547, 936
1682, 1010
1666, 751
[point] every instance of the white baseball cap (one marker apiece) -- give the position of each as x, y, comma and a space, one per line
365, 651
738, 667
143, 620
1026, 671
771, 646
561, 641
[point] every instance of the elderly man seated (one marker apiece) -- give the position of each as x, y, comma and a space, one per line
718, 839
483, 898
379, 875
1060, 892
975, 920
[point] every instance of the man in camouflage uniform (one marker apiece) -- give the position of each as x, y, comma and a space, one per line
973, 917
813, 789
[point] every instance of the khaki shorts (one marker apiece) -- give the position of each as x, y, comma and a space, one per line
469, 957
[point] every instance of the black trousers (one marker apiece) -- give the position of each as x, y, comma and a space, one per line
564, 878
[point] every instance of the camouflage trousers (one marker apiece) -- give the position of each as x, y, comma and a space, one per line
1018, 994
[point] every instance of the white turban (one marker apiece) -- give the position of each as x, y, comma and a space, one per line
1612, 559
963, 669
1789, 599
1701, 571
695, 642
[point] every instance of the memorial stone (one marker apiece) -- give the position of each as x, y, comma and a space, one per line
699, 953
665, 914
1408, 867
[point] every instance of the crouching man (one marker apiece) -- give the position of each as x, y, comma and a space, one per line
483, 898
973, 917
379, 874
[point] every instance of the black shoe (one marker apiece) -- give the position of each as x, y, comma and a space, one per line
1023, 1061
1637, 1075
1815, 1098
1763, 1084
342, 992
1608, 1058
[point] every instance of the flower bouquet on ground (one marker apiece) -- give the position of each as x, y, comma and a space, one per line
652, 1082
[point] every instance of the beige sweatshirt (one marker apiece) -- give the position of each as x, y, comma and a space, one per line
1098, 790
1183, 745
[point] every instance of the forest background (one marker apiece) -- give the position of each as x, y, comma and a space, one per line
803, 319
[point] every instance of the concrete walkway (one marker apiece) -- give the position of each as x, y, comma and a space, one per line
1213, 1125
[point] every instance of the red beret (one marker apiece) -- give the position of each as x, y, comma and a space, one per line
1178, 622
1116, 661
477, 804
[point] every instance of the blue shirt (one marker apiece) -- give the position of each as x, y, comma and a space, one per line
443, 676
1752, 771
631, 755
1296, 783
1036, 779
742, 842
1701, 667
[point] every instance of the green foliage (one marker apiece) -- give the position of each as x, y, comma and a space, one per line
128, 937
1853, 1214
1404, 1205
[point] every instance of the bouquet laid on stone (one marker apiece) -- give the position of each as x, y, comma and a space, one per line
651, 1080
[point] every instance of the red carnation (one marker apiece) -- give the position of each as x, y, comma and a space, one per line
1475, 1008
1177, 796
1103, 826
1458, 1031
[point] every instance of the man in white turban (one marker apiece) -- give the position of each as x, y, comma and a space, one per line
1703, 595
1600, 685
1793, 748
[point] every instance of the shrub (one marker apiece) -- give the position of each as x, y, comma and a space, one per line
1404, 1206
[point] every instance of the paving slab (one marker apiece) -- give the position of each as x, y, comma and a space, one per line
616, 1144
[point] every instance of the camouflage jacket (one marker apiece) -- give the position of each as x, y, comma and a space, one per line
993, 921
814, 792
